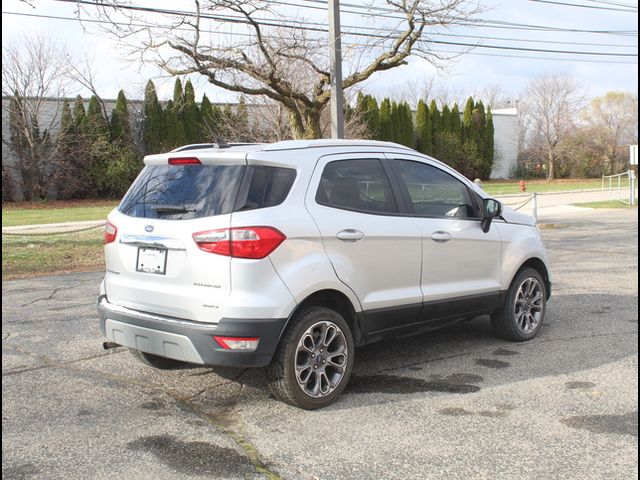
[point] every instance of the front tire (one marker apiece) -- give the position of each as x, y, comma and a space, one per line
313, 363
161, 363
524, 308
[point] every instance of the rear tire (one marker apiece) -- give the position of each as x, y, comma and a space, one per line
524, 308
313, 362
161, 363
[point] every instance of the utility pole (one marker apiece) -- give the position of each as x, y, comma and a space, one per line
335, 46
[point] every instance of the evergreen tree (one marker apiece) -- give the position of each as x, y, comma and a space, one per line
66, 119
423, 127
120, 125
436, 127
361, 104
178, 96
368, 113
78, 111
408, 138
94, 126
455, 125
386, 126
191, 116
445, 118
373, 117
72, 172
94, 131
210, 115
154, 131
173, 128
467, 118
478, 129
396, 123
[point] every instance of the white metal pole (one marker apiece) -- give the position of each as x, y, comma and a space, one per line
535, 207
335, 51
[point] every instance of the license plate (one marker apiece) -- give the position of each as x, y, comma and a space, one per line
152, 260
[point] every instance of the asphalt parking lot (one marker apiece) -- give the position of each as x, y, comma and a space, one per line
457, 403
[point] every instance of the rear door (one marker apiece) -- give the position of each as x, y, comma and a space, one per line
154, 265
461, 264
373, 249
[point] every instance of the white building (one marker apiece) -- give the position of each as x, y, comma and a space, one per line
505, 139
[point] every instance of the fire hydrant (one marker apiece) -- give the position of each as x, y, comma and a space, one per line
523, 186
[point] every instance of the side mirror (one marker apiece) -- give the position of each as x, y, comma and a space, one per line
490, 208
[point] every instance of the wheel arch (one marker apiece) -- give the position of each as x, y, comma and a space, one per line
335, 300
541, 267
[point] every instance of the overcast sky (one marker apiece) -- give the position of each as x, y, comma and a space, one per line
468, 73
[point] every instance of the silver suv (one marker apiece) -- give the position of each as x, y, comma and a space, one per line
290, 255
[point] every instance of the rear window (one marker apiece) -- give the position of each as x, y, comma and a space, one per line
183, 192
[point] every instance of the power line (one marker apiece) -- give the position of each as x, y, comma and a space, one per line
488, 23
482, 23
618, 4
305, 25
596, 7
169, 27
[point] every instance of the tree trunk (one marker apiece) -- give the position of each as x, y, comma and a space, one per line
551, 161
305, 126
312, 127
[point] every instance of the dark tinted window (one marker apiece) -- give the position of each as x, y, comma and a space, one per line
268, 186
360, 185
183, 192
433, 192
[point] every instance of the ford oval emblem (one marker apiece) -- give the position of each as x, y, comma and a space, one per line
148, 228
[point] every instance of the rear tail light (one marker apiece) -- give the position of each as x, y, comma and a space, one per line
240, 242
110, 232
238, 343
184, 161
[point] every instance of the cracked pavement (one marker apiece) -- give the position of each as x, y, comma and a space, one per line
456, 403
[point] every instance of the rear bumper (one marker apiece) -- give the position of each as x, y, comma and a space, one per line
187, 340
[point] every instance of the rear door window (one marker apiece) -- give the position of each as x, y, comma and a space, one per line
358, 185
182, 192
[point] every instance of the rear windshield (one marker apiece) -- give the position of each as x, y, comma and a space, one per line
183, 191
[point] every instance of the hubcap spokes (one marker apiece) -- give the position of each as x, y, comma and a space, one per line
529, 305
321, 358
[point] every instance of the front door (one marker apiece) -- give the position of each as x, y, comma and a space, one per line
461, 264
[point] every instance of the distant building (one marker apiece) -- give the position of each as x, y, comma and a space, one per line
505, 140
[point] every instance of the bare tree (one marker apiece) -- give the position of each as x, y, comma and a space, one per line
550, 107
261, 52
33, 79
614, 118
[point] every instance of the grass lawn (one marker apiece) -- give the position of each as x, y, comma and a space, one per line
26, 256
604, 204
503, 187
32, 213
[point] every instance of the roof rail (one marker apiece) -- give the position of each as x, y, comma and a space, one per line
201, 146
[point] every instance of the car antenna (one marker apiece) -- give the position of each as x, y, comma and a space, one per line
220, 143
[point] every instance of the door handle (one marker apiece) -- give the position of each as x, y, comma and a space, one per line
350, 235
441, 237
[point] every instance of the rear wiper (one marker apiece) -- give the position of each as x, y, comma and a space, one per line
172, 209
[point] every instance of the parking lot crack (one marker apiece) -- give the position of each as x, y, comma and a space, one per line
235, 434
51, 295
